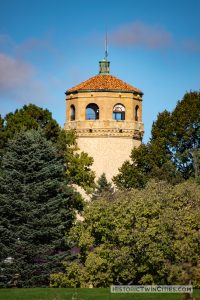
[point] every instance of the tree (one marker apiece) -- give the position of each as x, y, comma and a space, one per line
37, 208
171, 154
78, 170
148, 236
147, 161
28, 117
181, 133
2, 137
78, 165
103, 188
196, 164
31, 117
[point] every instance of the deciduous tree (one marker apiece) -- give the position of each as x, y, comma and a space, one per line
148, 236
172, 153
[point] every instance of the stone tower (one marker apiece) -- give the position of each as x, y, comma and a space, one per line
106, 113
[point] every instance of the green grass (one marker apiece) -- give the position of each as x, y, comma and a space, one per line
81, 294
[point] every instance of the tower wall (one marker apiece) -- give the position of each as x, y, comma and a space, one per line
107, 140
109, 153
105, 102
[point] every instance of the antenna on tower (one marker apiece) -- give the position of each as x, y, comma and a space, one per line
104, 64
106, 46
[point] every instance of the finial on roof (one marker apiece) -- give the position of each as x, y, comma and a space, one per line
106, 46
104, 64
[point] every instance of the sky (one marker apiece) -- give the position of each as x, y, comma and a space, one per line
49, 46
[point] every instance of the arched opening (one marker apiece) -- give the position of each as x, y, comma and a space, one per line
136, 113
119, 112
92, 112
72, 113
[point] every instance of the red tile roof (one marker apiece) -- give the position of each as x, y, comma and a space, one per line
103, 83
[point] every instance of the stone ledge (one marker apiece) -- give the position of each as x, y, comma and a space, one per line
135, 134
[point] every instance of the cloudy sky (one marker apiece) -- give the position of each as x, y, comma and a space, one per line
48, 46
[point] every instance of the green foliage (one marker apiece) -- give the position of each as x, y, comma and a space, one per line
184, 133
26, 118
31, 117
196, 164
103, 188
148, 236
37, 208
78, 165
72, 280
103, 184
2, 138
172, 153
79, 171
130, 176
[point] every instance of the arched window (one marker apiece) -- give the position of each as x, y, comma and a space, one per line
92, 112
119, 112
72, 113
136, 113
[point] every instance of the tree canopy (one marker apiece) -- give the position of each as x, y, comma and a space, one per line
31, 117
103, 188
37, 208
173, 151
78, 165
148, 236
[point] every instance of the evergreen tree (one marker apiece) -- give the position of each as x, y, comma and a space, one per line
2, 138
30, 116
36, 209
103, 188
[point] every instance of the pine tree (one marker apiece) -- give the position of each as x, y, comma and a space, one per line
103, 188
36, 209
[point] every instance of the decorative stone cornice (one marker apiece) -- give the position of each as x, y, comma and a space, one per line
88, 132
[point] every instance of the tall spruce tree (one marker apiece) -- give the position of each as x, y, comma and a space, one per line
36, 209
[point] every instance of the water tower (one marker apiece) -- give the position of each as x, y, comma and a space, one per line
106, 113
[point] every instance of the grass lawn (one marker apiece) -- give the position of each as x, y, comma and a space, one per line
81, 294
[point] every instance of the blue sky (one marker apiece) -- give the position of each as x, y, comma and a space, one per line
46, 47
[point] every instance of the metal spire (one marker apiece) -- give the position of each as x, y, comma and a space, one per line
104, 64
106, 46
